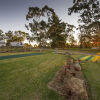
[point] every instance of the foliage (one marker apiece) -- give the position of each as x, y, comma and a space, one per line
27, 45
89, 19
38, 26
45, 26
27, 78
89, 10
17, 36
29, 38
2, 36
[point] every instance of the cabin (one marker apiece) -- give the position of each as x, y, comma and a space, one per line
16, 44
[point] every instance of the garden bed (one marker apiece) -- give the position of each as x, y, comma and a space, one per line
69, 82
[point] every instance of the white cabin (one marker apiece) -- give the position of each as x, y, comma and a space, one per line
16, 44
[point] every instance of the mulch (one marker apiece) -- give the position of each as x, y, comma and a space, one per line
60, 81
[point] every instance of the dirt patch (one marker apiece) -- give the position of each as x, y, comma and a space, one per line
69, 82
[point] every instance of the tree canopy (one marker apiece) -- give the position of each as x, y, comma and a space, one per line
45, 26
89, 21
89, 10
17, 36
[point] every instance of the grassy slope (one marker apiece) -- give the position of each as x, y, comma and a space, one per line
16, 53
91, 71
85, 50
92, 74
26, 78
34, 51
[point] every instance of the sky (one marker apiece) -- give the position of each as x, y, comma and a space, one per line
13, 12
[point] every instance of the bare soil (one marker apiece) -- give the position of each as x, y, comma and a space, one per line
63, 84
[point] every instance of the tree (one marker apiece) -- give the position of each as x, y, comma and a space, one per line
9, 36
57, 32
26, 45
72, 41
89, 18
38, 26
89, 10
17, 36
87, 36
45, 26
2, 36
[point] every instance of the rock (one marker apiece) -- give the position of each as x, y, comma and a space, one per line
76, 86
77, 66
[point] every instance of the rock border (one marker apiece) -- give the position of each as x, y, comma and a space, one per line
69, 82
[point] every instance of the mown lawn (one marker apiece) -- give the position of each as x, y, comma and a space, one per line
34, 51
27, 78
16, 53
85, 50
91, 71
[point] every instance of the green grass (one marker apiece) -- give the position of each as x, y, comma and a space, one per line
17, 53
33, 51
85, 50
27, 78
91, 72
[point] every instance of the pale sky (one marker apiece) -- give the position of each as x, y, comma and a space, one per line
13, 12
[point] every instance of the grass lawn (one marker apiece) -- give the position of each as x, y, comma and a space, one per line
17, 53
34, 51
27, 78
91, 72
85, 50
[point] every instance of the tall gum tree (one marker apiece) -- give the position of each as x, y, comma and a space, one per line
46, 25
89, 20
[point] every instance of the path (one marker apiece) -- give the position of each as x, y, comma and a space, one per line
18, 56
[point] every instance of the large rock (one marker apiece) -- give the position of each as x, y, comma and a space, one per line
77, 66
77, 87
